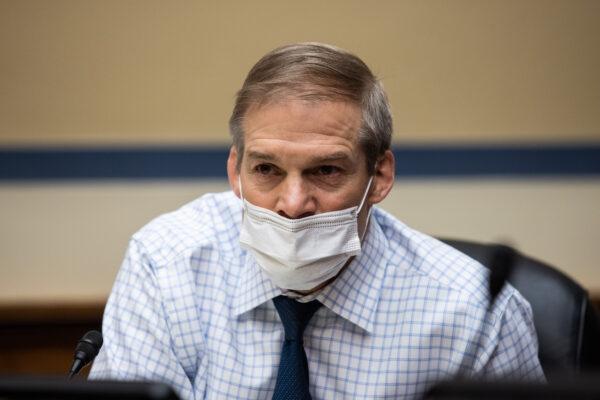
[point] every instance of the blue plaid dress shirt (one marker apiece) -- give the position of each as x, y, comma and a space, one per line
192, 309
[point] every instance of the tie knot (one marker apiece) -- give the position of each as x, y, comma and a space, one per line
295, 315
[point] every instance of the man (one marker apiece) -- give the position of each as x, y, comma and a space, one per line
293, 285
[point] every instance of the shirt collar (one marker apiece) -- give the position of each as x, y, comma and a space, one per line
353, 295
254, 287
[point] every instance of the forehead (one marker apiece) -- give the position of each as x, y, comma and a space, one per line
303, 122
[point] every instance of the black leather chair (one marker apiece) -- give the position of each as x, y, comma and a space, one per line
567, 324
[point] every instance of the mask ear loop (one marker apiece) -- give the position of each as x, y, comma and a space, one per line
244, 205
365, 194
240, 186
360, 206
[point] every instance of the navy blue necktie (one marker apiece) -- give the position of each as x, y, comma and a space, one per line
292, 377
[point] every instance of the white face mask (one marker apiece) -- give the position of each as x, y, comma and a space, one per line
300, 254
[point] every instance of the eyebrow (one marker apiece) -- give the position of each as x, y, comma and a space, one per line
262, 156
318, 159
337, 156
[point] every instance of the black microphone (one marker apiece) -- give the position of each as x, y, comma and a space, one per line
87, 349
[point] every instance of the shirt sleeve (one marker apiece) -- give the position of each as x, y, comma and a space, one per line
510, 348
137, 343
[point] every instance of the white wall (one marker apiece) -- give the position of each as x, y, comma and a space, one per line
64, 242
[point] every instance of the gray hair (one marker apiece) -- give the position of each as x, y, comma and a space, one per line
316, 72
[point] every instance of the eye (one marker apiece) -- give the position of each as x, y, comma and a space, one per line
264, 169
327, 170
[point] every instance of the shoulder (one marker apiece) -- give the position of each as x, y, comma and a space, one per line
433, 266
431, 278
212, 220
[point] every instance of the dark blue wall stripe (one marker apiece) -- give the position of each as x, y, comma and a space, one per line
498, 161
209, 162
94, 163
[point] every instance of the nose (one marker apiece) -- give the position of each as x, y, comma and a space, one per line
295, 199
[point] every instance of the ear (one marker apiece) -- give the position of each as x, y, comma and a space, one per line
232, 171
385, 171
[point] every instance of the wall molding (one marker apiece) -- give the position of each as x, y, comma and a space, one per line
191, 162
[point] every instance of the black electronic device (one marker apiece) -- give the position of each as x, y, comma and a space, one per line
51, 388
586, 387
